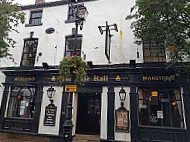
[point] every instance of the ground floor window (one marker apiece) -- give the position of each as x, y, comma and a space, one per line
22, 102
160, 107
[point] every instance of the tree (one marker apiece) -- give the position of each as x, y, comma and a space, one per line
167, 22
10, 17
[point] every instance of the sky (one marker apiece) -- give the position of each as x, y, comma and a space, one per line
28, 2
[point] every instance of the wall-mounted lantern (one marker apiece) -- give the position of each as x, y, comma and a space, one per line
51, 109
122, 114
122, 96
82, 12
51, 93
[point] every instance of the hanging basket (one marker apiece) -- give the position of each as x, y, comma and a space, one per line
73, 69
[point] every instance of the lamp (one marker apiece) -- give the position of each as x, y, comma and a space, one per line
82, 12
51, 93
45, 65
122, 96
100, 29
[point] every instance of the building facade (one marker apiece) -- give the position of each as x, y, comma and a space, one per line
155, 107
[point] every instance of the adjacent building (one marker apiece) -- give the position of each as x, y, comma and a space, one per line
155, 105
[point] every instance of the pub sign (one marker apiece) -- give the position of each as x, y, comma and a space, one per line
122, 119
50, 115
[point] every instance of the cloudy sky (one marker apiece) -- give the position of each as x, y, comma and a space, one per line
27, 2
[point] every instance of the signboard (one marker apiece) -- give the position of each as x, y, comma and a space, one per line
50, 115
160, 114
70, 88
115, 77
159, 78
122, 120
154, 93
24, 79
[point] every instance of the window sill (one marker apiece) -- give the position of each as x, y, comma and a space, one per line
69, 21
160, 127
18, 118
31, 25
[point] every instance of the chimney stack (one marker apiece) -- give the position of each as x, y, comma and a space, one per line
39, 1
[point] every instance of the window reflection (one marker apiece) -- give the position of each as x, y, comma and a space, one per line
21, 102
160, 107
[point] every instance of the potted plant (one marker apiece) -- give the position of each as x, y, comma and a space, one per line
73, 69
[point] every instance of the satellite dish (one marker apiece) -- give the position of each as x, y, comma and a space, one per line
50, 30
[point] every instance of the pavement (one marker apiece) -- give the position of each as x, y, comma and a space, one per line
13, 137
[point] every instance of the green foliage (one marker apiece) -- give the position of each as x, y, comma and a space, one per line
10, 17
166, 21
72, 69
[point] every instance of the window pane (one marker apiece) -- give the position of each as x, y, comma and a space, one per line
146, 52
175, 94
177, 114
143, 113
154, 121
35, 18
72, 13
153, 51
163, 108
73, 46
29, 52
143, 94
36, 14
35, 21
21, 103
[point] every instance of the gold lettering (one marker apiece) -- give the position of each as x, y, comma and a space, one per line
53, 78
96, 78
145, 78
118, 78
149, 78
102, 78
22, 79
159, 78
107, 78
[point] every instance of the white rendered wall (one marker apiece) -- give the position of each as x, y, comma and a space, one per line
123, 48
74, 112
53, 130
119, 136
104, 104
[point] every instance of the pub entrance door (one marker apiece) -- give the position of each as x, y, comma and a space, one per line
88, 114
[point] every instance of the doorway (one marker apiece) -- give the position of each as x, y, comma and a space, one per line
89, 113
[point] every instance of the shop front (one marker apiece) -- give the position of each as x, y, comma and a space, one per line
21, 104
165, 111
161, 110
116, 103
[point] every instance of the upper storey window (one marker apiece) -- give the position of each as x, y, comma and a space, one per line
73, 46
153, 52
35, 18
29, 52
71, 14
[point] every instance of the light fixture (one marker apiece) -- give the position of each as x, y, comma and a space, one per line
100, 29
115, 27
45, 65
154, 94
51, 93
82, 12
122, 96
